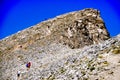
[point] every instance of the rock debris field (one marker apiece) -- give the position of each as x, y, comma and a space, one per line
72, 46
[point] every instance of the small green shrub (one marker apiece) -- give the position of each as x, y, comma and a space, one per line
92, 68
0, 53
41, 51
0, 56
66, 63
62, 70
20, 57
0, 60
89, 65
116, 51
51, 77
100, 56
105, 62
83, 73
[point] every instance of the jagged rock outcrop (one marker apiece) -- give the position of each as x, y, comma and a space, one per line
49, 46
88, 28
75, 29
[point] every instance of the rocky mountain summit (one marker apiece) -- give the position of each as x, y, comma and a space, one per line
72, 46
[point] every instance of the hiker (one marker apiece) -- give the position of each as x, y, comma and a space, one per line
28, 64
18, 74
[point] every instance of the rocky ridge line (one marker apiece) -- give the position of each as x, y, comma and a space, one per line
75, 29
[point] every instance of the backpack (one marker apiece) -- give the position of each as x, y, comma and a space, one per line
28, 65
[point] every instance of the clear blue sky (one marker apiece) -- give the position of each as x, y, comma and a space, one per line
16, 15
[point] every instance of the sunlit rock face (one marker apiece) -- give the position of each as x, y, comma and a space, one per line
58, 50
75, 29
85, 28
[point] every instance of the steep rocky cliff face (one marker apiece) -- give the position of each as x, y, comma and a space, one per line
69, 47
84, 28
74, 29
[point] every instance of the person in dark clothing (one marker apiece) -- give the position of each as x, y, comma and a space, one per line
18, 74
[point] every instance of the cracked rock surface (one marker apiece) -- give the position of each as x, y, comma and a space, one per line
72, 46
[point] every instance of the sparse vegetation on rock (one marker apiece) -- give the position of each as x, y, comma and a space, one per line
69, 47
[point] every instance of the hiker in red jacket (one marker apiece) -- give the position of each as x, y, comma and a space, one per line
28, 65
